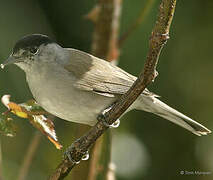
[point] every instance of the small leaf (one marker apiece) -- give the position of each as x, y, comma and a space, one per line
33, 108
32, 111
46, 126
13, 107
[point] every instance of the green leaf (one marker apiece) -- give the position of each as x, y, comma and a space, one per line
31, 105
7, 126
34, 113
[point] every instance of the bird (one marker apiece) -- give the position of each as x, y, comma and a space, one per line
76, 86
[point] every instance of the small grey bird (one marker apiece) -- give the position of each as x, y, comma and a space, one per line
76, 86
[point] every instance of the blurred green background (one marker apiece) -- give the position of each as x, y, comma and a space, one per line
144, 146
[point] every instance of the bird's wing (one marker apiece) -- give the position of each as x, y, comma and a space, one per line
99, 76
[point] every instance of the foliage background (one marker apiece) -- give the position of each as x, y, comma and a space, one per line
153, 147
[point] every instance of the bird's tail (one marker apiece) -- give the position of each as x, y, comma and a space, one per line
154, 105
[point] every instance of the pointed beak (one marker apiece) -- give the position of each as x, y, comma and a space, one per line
10, 60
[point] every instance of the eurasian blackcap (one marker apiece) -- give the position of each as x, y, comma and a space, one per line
76, 86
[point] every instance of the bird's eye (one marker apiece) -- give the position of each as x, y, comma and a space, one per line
34, 50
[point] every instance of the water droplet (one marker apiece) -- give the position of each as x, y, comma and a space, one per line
77, 162
115, 124
2, 66
67, 155
85, 156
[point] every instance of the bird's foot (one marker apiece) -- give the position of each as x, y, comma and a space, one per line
116, 124
155, 74
102, 117
68, 154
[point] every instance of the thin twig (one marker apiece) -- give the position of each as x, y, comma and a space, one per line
159, 36
29, 156
140, 19
105, 34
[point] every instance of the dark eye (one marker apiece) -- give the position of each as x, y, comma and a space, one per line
34, 50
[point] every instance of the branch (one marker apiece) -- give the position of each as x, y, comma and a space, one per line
159, 36
105, 35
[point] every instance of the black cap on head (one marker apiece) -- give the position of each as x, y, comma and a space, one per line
30, 41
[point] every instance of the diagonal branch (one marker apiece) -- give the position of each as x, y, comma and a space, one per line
159, 36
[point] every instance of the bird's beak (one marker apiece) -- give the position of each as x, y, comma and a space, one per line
10, 60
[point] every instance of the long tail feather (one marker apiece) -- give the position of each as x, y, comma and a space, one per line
154, 105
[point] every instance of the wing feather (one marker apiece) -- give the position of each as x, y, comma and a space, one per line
99, 76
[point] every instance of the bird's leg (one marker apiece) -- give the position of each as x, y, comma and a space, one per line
79, 155
68, 154
102, 118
